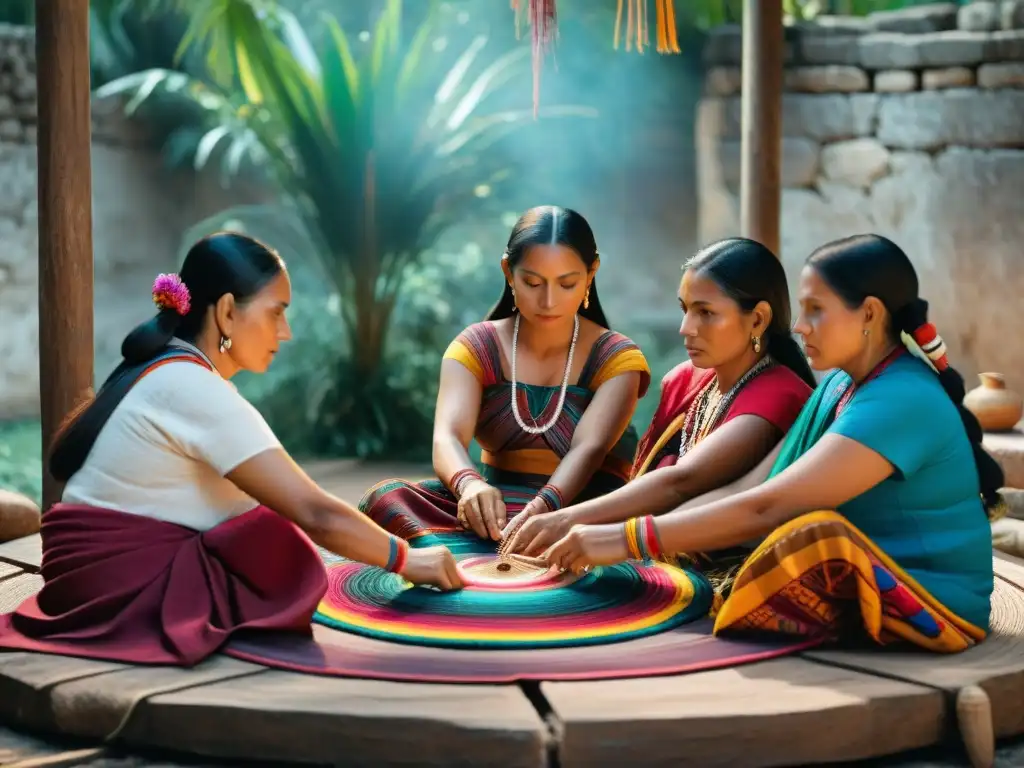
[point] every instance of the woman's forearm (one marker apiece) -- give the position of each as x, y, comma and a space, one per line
666, 490
450, 456
576, 469
344, 530
752, 479
723, 524
651, 494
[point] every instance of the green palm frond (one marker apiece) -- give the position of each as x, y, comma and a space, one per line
381, 144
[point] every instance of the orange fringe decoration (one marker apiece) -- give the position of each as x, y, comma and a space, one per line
638, 28
543, 19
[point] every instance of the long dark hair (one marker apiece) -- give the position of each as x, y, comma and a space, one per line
870, 265
551, 225
222, 263
748, 273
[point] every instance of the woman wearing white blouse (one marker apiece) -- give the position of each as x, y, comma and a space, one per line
183, 520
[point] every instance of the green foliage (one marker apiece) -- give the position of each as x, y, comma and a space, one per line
18, 12
21, 458
379, 148
451, 287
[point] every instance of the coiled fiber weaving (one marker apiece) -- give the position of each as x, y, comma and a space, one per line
627, 620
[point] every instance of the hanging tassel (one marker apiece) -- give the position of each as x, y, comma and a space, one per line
618, 26
630, 8
543, 20
660, 11
642, 38
517, 10
671, 37
638, 28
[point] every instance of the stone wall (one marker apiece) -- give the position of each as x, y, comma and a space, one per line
909, 124
140, 210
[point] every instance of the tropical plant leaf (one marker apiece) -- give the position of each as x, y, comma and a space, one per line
379, 147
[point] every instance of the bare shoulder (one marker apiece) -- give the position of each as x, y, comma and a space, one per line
502, 327
590, 333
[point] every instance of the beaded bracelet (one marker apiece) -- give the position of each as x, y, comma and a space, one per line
460, 478
398, 551
642, 539
551, 496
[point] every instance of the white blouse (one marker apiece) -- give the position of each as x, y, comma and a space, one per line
165, 450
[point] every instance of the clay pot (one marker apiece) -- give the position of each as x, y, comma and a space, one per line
19, 516
997, 408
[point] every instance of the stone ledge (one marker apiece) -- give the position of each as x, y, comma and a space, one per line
991, 15
1009, 74
879, 49
1007, 448
932, 17
896, 81
822, 117
949, 77
857, 162
799, 166
930, 120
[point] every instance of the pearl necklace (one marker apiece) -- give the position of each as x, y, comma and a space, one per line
539, 430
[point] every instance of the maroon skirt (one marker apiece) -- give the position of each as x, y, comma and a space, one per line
123, 587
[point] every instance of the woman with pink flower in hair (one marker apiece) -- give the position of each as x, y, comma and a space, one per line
183, 520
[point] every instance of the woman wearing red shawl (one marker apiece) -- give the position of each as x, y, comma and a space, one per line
722, 412
165, 543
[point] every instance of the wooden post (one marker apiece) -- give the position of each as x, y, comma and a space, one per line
65, 215
761, 127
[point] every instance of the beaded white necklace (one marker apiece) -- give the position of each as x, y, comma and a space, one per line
710, 405
541, 429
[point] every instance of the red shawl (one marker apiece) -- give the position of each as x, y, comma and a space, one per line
123, 587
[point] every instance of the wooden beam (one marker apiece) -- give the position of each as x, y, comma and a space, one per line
65, 215
761, 128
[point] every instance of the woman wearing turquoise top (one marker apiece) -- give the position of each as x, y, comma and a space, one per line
874, 513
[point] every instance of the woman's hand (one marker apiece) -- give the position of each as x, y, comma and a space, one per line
539, 532
482, 508
588, 545
432, 565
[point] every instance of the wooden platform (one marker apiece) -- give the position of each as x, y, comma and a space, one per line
814, 709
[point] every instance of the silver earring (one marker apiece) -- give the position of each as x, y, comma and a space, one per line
225, 344
867, 331
757, 345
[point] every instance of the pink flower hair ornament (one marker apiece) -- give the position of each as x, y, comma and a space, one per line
170, 293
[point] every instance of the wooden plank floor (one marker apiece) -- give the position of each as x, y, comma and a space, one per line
304, 718
780, 712
814, 710
26, 553
997, 665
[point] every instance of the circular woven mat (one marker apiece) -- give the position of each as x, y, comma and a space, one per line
524, 608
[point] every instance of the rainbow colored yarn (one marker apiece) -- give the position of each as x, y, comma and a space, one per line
549, 610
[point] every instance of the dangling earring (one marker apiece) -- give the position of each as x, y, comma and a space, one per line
757, 345
586, 299
225, 344
515, 306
